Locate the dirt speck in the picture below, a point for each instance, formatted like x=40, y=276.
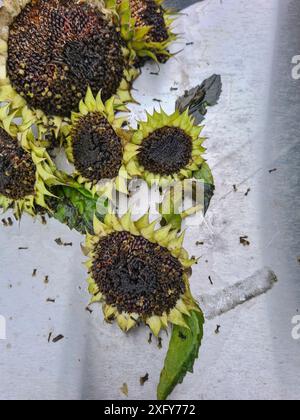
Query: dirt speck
x=244, y=240
x=124, y=389
x=144, y=379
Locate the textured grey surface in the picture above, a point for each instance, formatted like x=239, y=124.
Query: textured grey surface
x=252, y=130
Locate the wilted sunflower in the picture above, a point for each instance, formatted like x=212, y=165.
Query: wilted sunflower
x=25, y=171
x=139, y=273
x=165, y=148
x=145, y=26
x=95, y=144
x=52, y=50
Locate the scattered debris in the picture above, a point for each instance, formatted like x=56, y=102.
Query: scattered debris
x=34, y=273
x=159, y=344
x=244, y=240
x=61, y=243
x=124, y=389
x=46, y=279
x=173, y=89
x=157, y=100
x=144, y=379
x=50, y=300
x=199, y=243
x=210, y=280
x=58, y=338
x=217, y=331
x=189, y=43
x=88, y=309
x=247, y=192
x=272, y=170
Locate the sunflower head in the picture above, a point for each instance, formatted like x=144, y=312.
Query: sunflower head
x=139, y=273
x=25, y=172
x=95, y=142
x=52, y=50
x=165, y=148
x=146, y=27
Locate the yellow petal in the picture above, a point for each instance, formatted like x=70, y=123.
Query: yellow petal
x=148, y=232
x=109, y=311
x=176, y=318
x=128, y=225
x=83, y=110
x=162, y=235
x=112, y=221
x=96, y=298
x=182, y=308
x=122, y=322
x=99, y=227
x=155, y=324
x=90, y=101
x=143, y=222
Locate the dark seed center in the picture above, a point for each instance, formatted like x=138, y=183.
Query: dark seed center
x=97, y=149
x=166, y=151
x=17, y=170
x=136, y=275
x=57, y=48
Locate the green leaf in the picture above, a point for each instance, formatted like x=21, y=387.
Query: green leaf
x=76, y=208
x=183, y=351
x=205, y=174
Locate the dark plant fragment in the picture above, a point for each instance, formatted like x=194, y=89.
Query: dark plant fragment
x=218, y=328
x=199, y=98
x=144, y=379
x=244, y=240
x=58, y=338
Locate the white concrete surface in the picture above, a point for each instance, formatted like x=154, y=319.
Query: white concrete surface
x=250, y=358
